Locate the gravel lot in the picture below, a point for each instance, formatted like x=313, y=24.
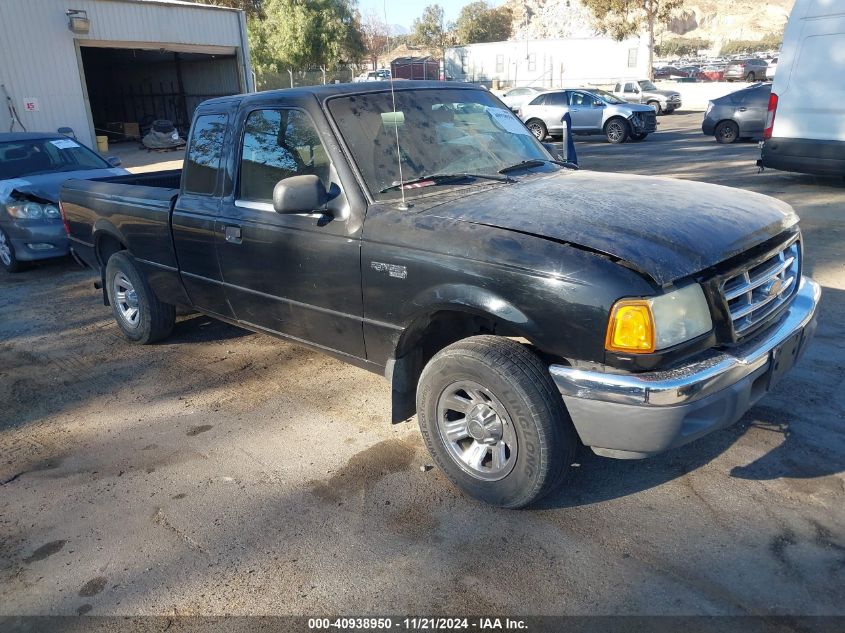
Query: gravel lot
x=225, y=472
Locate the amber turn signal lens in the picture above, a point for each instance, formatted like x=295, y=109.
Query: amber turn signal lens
x=630, y=328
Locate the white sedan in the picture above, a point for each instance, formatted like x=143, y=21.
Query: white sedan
x=516, y=97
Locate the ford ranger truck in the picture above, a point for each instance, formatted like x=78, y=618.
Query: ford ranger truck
x=519, y=306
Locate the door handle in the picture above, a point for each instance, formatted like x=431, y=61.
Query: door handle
x=743, y=109
x=233, y=234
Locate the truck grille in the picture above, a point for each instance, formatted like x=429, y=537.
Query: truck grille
x=756, y=293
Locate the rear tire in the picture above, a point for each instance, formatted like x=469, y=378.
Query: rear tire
x=494, y=422
x=537, y=128
x=726, y=132
x=750, y=77
x=7, y=255
x=138, y=312
x=617, y=130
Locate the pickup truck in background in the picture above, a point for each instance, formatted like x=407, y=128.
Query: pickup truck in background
x=519, y=306
x=644, y=91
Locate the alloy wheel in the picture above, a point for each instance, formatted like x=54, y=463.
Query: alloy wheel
x=126, y=300
x=476, y=430
x=5, y=250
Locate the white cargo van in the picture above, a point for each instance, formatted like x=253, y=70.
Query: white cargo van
x=805, y=128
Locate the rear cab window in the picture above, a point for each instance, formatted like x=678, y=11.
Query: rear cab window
x=202, y=160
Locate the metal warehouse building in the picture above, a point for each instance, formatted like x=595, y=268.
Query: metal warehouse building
x=94, y=65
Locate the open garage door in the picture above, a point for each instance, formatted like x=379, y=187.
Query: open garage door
x=129, y=88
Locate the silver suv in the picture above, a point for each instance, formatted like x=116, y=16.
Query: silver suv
x=592, y=112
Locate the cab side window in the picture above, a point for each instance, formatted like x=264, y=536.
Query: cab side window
x=279, y=144
x=202, y=161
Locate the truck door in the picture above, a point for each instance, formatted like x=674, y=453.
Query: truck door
x=195, y=214
x=297, y=274
x=632, y=92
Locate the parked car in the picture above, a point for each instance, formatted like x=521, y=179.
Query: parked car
x=373, y=75
x=711, y=73
x=805, y=126
x=772, y=68
x=592, y=112
x=515, y=98
x=32, y=168
x=519, y=307
x=644, y=91
x=740, y=114
x=668, y=72
x=746, y=70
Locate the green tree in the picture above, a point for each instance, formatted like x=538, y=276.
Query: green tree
x=301, y=34
x=681, y=47
x=479, y=22
x=625, y=18
x=770, y=42
x=429, y=29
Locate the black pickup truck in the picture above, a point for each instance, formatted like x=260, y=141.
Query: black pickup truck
x=518, y=305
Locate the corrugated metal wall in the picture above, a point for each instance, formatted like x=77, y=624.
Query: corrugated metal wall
x=38, y=55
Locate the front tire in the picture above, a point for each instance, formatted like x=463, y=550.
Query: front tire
x=726, y=132
x=494, y=422
x=7, y=255
x=617, y=130
x=750, y=77
x=658, y=109
x=537, y=128
x=138, y=312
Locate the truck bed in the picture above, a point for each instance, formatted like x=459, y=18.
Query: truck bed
x=133, y=209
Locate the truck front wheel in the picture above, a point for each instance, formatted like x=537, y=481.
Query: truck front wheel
x=139, y=314
x=494, y=422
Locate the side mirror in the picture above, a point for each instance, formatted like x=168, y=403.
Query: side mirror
x=299, y=194
x=598, y=104
x=114, y=161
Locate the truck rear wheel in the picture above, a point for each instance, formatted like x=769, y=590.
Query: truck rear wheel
x=139, y=314
x=494, y=422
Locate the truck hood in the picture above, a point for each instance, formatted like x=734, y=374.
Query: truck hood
x=661, y=93
x=46, y=186
x=666, y=228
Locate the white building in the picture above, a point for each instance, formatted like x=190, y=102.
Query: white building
x=548, y=63
x=86, y=64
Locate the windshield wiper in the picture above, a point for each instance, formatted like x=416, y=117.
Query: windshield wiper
x=536, y=162
x=443, y=179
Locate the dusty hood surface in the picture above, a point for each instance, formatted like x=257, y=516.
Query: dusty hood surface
x=667, y=228
x=46, y=186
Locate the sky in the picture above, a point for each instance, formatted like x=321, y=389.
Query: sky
x=403, y=12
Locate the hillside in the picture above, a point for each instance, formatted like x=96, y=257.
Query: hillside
x=713, y=20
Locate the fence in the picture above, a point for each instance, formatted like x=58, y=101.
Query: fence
x=295, y=78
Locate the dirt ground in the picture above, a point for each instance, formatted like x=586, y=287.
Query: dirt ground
x=225, y=472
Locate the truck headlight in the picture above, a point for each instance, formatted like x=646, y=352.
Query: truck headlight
x=641, y=326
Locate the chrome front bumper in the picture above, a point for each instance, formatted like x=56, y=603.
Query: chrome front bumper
x=637, y=415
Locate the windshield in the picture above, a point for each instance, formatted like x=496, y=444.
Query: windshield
x=46, y=155
x=647, y=85
x=607, y=97
x=440, y=132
